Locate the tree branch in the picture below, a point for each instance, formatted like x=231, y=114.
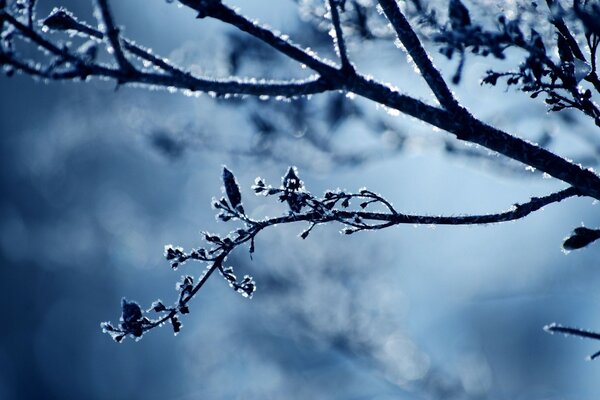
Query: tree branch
x=470, y=129
x=463, y=125
x=217, y=10
x=556, y=328
x=334, y=206
x=339, y=42
x=178, y=79
x=415, y=50
x=112, y=33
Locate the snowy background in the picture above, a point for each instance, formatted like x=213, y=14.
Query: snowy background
x=95, y=182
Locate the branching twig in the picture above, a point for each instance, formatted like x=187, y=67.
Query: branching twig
x=463, y=125
x=177, y=79
x=348, y=209
x=540, y=70
x=112, y=33
x=556, y=328
x=415, y=50
x=340, y=43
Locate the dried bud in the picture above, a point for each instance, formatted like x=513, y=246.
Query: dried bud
x=232, y=190
x=580, y=238
x=291, y=180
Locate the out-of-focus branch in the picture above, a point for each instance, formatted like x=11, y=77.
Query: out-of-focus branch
x=560, y=25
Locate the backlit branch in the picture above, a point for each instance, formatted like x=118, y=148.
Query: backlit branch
x=351, y=210
x=415, y=50
x=340, y=43
x=174, y=78
x=112, y=34
x=463, y=125
x=565, y=330
x=133, y=64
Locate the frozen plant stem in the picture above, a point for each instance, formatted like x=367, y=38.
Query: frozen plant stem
x=415, y=50
x=352, y=210
x=452, y=118
x=555, y=328
x=112, y=34
x=340, y=43
x=62, y=62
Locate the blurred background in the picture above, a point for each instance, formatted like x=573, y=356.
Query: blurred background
x=95, y=181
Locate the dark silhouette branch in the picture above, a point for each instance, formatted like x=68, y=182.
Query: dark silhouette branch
x=463, y=125
x=450, y=116
x=217, y=10
x=560, y=25
x=176, y=78
x=348, y=209
x=112, y=34
x=340, y=43
x=415, y=50
x=556, y=328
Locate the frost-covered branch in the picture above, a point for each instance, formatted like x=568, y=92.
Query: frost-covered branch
x=361, y=211
x=415, y=50
x=541, y=73
x=70, y=65
x=337, y=33
x=559, y=80
x=464, y=126
x=569, y=331
x=112, y=34
x=217, y=10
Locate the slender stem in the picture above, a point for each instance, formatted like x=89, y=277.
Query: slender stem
x=415, y=50
x=463, y=125
x=573, y=331
x=394, y=218
x=560, y=25
x=219, y=11
x=323, y=211
x=30, y=12
x=339, y=40
x=192, y=293
x=112, y=33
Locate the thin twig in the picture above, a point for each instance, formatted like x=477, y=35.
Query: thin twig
x=30, y=12
x=415, y=50
x=181, y=81
x=112, y=33
x=463, y=125
x=219, y=11
x=138, y=51
x=560, y=25
x=332, y=207
x=339, y=41
x=556, y=328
